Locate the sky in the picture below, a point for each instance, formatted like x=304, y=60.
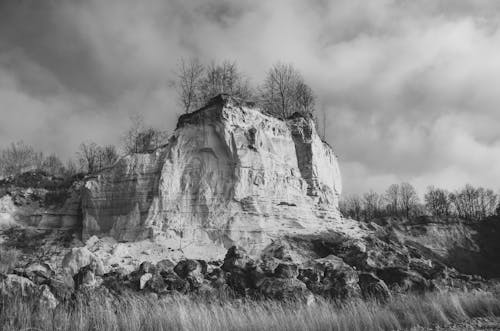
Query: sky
x=410, y=88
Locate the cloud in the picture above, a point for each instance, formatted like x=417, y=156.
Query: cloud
x=409, y=87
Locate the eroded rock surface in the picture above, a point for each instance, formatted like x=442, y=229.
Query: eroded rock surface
x=229, y=175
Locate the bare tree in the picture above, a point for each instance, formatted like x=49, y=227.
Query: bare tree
x=392, y=198
x=372, y=205
x=279, y=88
x=284, y=92
x=93, y=158
x=224, y=78
x=474, y=203
x=437, y=201
x=19, y=157
x=304, y=97
x=408, y=198
x=189, y=79
x=351, y=206
x=88, y=156
x=53, y=165
x=140, y=138
x=70, y=168
x=107, y=156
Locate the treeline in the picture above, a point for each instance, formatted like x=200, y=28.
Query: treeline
x=91, y=157
x=401, y=200
x=282, y=93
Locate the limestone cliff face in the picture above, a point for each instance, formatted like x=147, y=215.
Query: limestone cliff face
x=229, y=174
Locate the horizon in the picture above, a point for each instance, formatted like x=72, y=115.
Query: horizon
x=409, y=89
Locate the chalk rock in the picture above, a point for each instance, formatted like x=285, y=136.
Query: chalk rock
x=80, y=257
x=229, y=174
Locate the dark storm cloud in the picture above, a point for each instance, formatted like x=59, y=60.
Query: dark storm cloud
x=409, y=87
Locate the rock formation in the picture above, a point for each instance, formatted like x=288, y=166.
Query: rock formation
x=228, y=175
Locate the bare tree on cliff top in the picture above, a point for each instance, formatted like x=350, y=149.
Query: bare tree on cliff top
x=93, y=158
x=225, y=78
x=408, y=198
x=392, y=198
x=304, y=97
x=437, y=201
x=140, y=138
x=284, y=91
x=88, y=156
x=189, y=79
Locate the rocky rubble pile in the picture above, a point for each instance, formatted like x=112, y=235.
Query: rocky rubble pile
x=348, y=269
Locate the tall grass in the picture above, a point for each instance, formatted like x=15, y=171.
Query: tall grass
x=9, y=257
x=141, y=312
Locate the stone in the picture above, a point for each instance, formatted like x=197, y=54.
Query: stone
x=47, y=298
x=217, y=278
x=80, y=257
x=15, y=285
x=157, y=284
x=236, y=258
x=39, y=273
x=147, y=267
x=373, y=287
x=286, y=270
x=85, y=278
x=188, y=267
x=367, y=254
x=39, y=268
x=330, y=277
x=62, y=290
x=165, y=266
x=175, y=283
x=282, y=289
x=144, y=280
x=405, y=280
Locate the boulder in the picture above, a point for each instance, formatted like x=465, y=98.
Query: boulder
x=39, y=268
x=286, y=270
x=147, y=267
x=80, y=257
x=16, y=285
x=427, y=268
x=192, y=270
x=144, y=280
x=331, y=277
x=368, y=254
x=282, y=289
x=236, y=258
x=269, y=264
x=62, y=289
x=85, y=278
x=175, y=283
x=217, y=278
x=373, y=287
x=39, y=273
x=157, y=284
x=165, y=266
x=47, y=298
x=405, y=280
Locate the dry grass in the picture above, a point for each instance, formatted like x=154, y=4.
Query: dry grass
x=8, y=259
x=139, y=312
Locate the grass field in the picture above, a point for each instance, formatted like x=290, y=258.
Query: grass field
x=140, y=312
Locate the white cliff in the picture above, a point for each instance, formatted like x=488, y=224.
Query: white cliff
x=229, y=175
